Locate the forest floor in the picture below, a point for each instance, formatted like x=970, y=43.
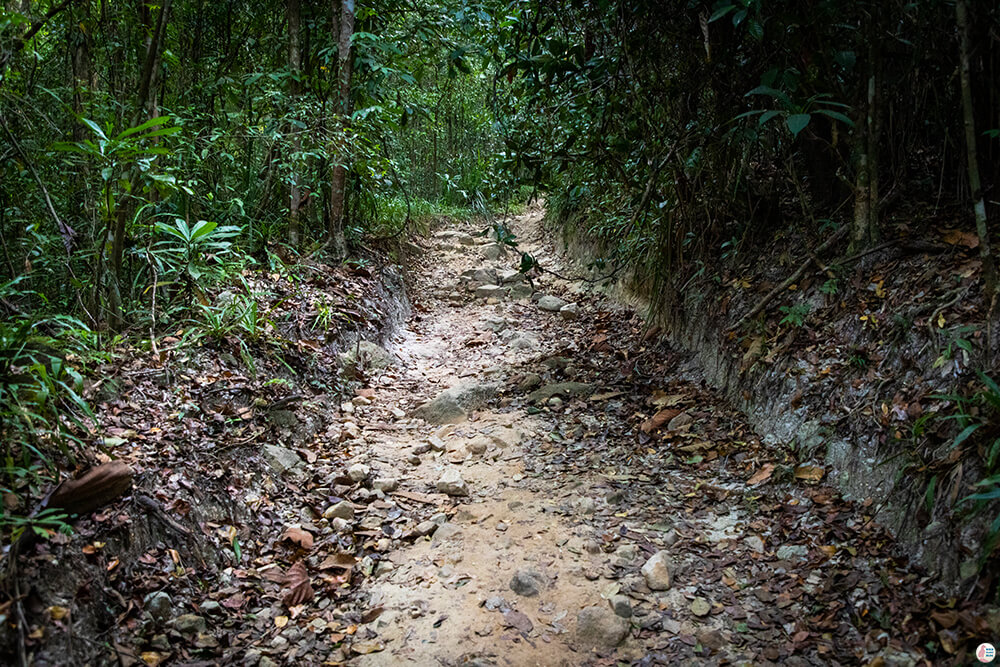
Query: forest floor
x=525, y=475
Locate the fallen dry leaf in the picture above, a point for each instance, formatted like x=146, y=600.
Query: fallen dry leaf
x=958, y=237
x=338, y=562
x=300, y=590
x=809, y=473
x=299, y=536
x=659, y=419
x=761, y=475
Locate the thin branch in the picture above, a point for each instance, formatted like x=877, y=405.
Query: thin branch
x=65, y=231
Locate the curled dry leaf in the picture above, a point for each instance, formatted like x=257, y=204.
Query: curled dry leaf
x=659, y=419
x=299, y=536
x=809, y=473
x=299, y=588
x=338, y=562
x=761, y=475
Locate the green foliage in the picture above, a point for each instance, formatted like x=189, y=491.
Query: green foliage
x=43, y=418
x=795, y=315
x=188, y=254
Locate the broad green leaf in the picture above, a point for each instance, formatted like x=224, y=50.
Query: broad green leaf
x=152, y=122
x=836, y=115
x=797, y=122
x=94, y=127
x=202, y=228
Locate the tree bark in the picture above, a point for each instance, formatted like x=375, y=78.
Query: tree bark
x=864, y=228
x=338, y=184
x=975, y=184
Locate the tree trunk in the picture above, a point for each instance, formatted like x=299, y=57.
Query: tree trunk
x=295, y=67
x=864, y=228
x=975, y=185
x=338, y=184
x=145, y=104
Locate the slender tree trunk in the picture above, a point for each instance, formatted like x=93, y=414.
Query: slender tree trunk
x=978, y=204
x=145, y=105
x=295, y=67
x=338, y=184
x=864, y=228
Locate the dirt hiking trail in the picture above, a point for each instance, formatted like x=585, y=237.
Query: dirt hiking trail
x=572, y=494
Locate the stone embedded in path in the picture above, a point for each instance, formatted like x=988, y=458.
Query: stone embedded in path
x=510, y=276
x=159, y=605
x=385, y=484
x=449, y=407
x=621, y=605
x=365, y=354
x=446, y=532
x=358, y=472
x=455, y=237
x=656, y=571
x=529, y=382
x=599, y=627
x=570, y=311
x=478, y=445
x=481, y=276
x=488, y=291
x=342, y=510
x=451, y=483
x=680, y=421
x=528, y=583
x=521, y=292
x=551, y=303
x=190, y=624
x=281, y=458
x=425, y=528
x=491, y=250
x=700, y=607
x=565, y=389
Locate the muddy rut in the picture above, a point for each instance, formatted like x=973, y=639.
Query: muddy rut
x=578, y=497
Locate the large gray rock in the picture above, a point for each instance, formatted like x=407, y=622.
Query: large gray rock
x=656, y=571
x=451, y=483
x=450, y=406
x=365, y=355
x=528, y=583
x=159, y=605
x=487, y=291
x=452, y=236
x=521, y=292
x=281, y=458
x=190, y=624
x=564, y=389
x=510, y=276
x=491, y=250
x=570, y=311
x=551, y=303
x=481, y=276
x=599, y=627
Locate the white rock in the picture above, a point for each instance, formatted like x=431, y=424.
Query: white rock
x=570, y=311
x=551, y=303
x=385, y=484
x=358, y=472
x=342, y=510
x=451, y=483
x=656, y=571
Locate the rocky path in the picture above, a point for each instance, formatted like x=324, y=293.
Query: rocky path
x=567, y=493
